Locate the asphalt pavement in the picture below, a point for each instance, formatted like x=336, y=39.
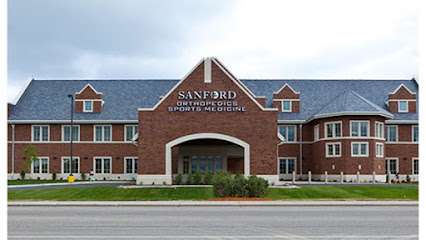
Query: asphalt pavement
x=213, y=222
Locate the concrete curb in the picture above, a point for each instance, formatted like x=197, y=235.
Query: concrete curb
x=210, y=203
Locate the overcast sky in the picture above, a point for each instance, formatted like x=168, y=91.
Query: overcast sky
x=126, y=39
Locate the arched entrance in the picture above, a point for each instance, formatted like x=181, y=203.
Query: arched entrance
x=214, y=154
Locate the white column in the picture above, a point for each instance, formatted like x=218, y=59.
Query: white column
x=357, y=177
x=309, y=177
x=326, y=177
x=294, y=177
x=374, y=177
x=341, y=176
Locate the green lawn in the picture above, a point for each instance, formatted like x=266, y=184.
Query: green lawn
x=303, y=193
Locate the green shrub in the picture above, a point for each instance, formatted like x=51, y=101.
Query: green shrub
x=239, y=188
x=208, y=178
x=179, y=179
x=223, y=184
x=256, y=186
x=197, y=178
x=53, y=176
x=189, y=179
x=22, y=174
x=407, y=178
x=164, y=182
x=83, y=176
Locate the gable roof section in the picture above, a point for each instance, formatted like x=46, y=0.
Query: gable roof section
x=222, y=68
x=350, y=103
x=88, y=86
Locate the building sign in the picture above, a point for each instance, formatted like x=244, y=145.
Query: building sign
x=207, y=101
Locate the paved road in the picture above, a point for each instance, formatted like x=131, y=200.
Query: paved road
x=65, y=185
x=213, y=222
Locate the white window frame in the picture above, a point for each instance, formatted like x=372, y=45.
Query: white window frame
x=412, y=133
x=63, y=133
x=334, y=149
x=125, y=131
x=285, y=137
x=379, y=153
x=316, y=132
x=399, y=106
x=62, y=164
x=84, y=105
x=133, y=165
x=41, y=133
x=381, y=134
x=103, y=135
x=282, y=106
x=412, y=166
x=359, y=150
x=102, y=164
x=396, y=164
x=286, y=164
x=39, y=159
x=387, y=132
x=359, y=128
x=333, y=129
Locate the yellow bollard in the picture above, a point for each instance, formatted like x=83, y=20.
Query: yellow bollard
x=71, y=178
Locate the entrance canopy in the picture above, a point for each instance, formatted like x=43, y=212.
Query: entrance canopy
x=199, y=136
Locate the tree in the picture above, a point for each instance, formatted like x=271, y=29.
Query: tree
x=30, y=156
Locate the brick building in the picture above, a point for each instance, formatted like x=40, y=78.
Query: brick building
x=210, y=120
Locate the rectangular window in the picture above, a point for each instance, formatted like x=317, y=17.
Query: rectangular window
x=40, y=165
x=333, y=129
x=40, y=133
x=185, y=167
x=66, y=133
x=415, y=166
x=360, y=129
x=333, y=150
x=74, y=165
x=102, y=133
x=379, y=130
x=131, y=165
x=316, y=133
x=218, y=164
x=194, y=164
x=402, y=106
x=130, y=132
x=392, y=164
x=379, y=149
x=88, y=106
x=391, y=133
x=359, y=149
x=415, y=133
x=102, y=165
x=288, y=133
x=287, y=165
x=286, y=106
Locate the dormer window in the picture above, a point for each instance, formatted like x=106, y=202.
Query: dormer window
x=402, y=106
x=286, y=106
x=88, y=106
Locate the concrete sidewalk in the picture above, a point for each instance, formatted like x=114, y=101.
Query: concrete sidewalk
x=212, y=203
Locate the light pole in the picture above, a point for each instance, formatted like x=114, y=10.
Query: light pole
x=72, y=115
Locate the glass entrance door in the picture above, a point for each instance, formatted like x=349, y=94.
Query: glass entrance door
x=202, y=163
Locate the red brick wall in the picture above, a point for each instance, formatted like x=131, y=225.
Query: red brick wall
x=256, y=127
x=82, y=150
x=402, y=94
x=236, y=165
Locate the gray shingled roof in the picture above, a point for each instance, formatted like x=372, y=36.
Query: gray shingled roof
x=353, y=103
x=47, y=99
